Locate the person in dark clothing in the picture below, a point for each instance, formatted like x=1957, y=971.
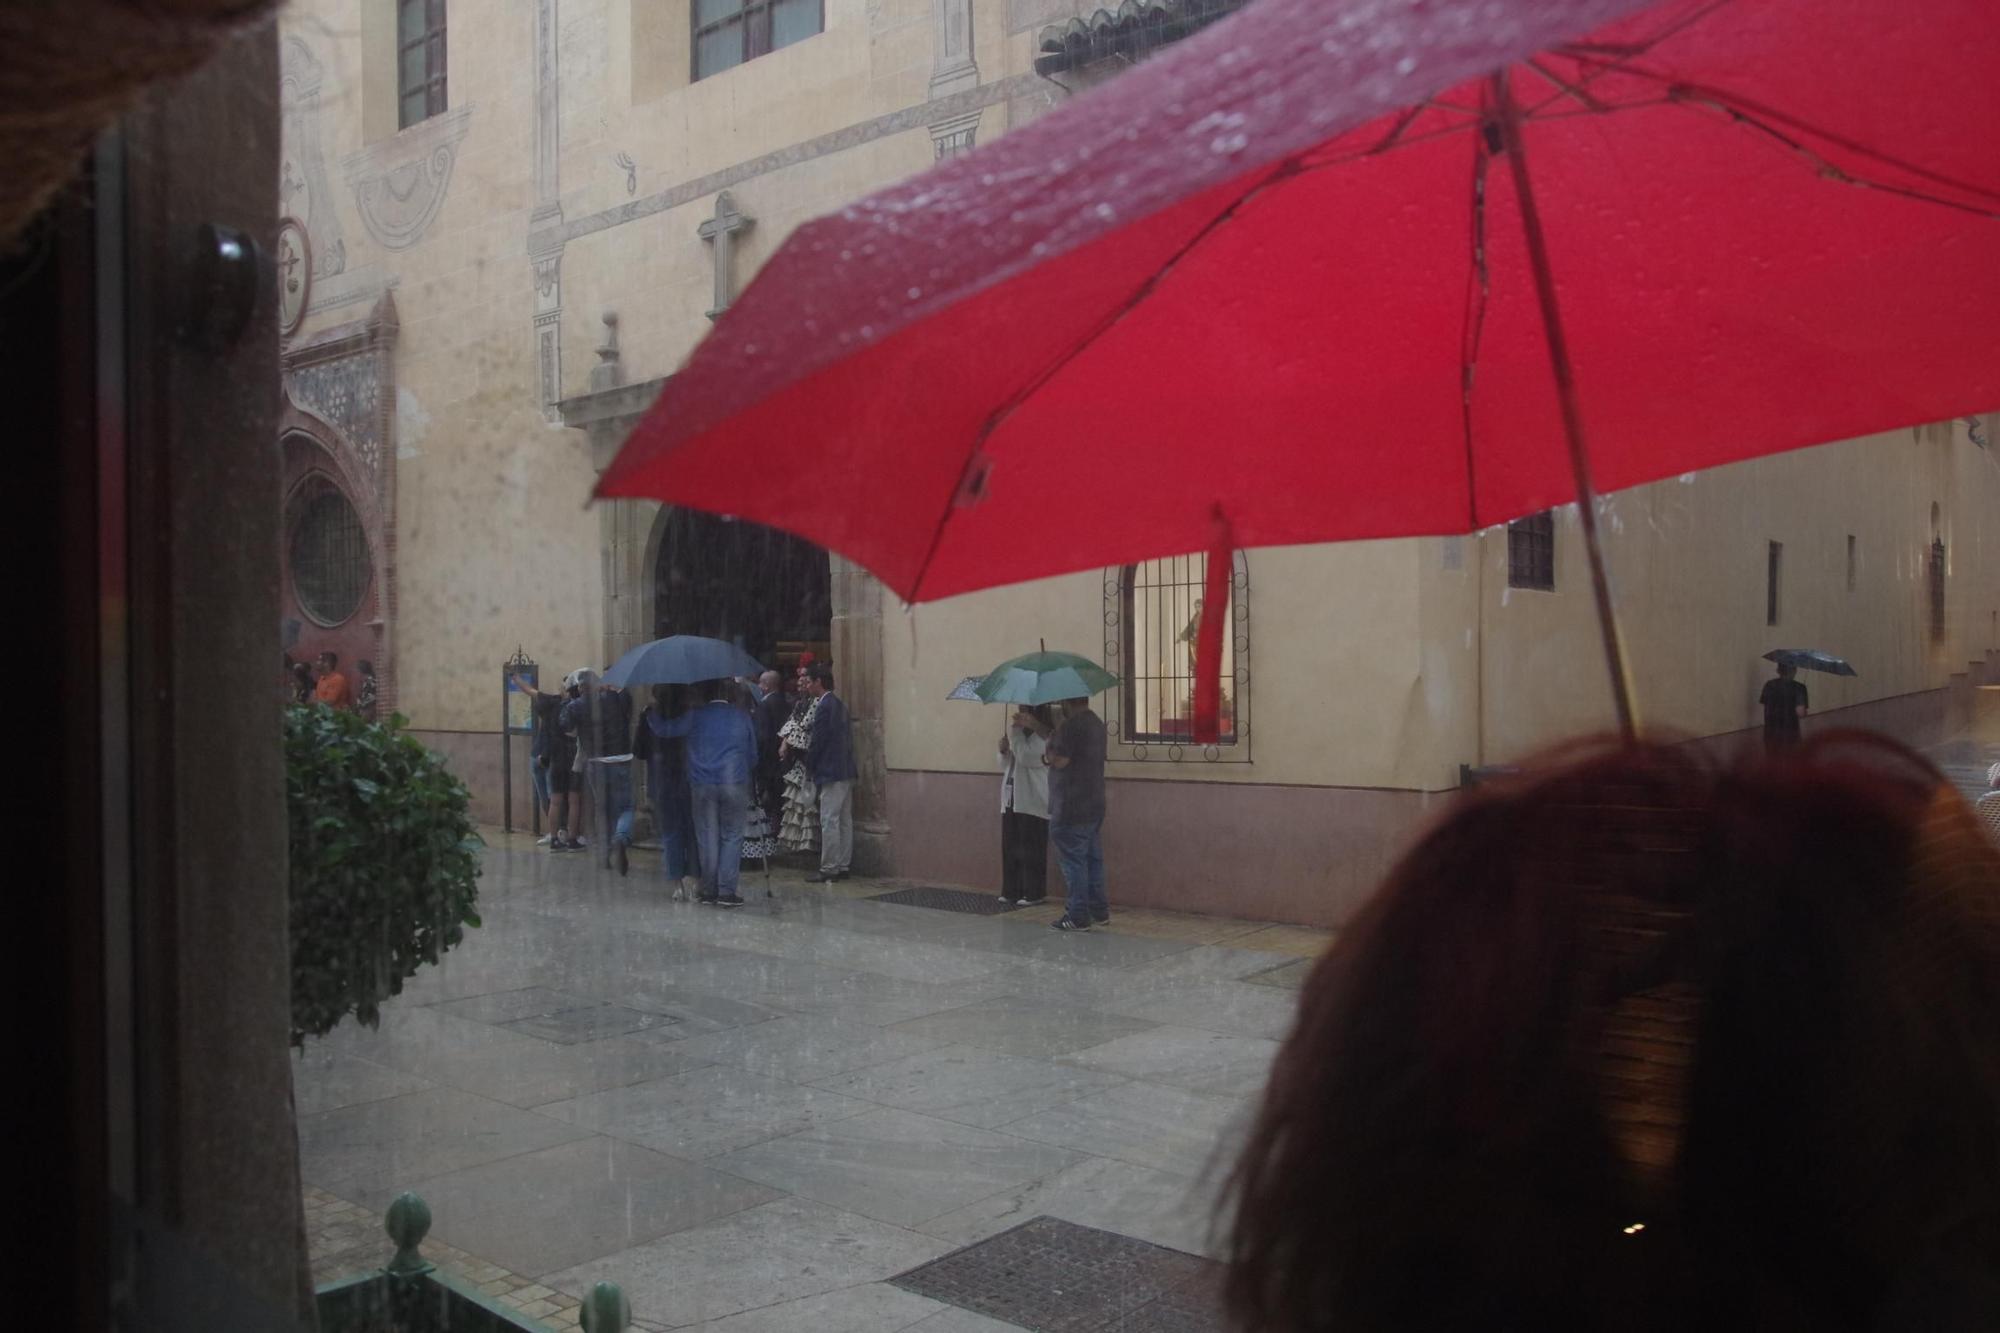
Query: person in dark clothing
x=1784, y=701
x=830, y=764
x=667, y=787
x=773, y=711
x=601, y=717
x=551, y=762
x=721, y=755
x=302, y=683
x=1075, y=756
x=366, y=698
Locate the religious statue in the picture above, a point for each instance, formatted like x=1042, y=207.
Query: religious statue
x=1191, y=636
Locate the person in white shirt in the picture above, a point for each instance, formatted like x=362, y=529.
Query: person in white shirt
x=1024, y=807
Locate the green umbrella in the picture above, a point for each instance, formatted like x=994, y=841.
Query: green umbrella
x=1044, y=677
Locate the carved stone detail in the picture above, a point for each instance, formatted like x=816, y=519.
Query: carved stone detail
x=302, y=188
x=399, y=184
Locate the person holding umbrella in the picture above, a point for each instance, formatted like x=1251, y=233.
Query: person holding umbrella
x=721, y=754
x=1784, y=701
x=1024, y=807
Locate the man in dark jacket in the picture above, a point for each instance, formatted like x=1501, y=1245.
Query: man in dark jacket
x=830, y=763
x=773, y=711
x=601, y=717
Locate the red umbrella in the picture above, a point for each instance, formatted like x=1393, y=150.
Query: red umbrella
x=1289, y=283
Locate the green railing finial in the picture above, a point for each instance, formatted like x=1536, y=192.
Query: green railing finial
x=605, y=1310
x=408, y=1222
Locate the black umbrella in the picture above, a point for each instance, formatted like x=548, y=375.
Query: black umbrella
x=1812, y=659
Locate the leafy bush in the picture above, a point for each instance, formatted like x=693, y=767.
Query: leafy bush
x=384, y=863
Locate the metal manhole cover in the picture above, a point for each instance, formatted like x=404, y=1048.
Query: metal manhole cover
x=1052, y=1276
x=948, y=900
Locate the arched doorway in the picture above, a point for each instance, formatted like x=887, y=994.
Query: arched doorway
x=765, y=590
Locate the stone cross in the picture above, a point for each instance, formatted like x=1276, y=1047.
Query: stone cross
x=718, y=231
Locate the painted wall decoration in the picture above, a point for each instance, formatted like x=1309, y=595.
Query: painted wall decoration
x=400, y=183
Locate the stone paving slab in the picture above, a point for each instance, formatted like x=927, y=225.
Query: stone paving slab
x=896, y=1166
x=544, y=1211
x=380, y=1146
x=1019, y=1025
x=969, y=1084
x=764, y=1256
x=706, y=1112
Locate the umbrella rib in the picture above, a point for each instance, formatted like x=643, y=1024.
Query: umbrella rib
x=969, y=484
x=1768, y=120
x=1478, y=289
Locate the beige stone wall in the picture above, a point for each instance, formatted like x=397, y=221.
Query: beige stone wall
x=1378, y=665
x=1688, y=564
x=495, y=545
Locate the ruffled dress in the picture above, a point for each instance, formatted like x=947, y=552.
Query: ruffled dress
x=799, y=829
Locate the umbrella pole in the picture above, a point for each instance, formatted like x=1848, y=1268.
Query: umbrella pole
x=1511, y=142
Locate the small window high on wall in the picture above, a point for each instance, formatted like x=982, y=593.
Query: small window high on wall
x=729, y=32
x=1531, y=552
x=420, y=85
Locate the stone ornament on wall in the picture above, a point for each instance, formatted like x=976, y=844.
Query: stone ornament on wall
x=295, y=272
x=400, y=183
x=302, y=187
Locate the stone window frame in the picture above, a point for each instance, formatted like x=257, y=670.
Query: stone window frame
x=754, y=19
x=1123, y=743
x=1531, y=552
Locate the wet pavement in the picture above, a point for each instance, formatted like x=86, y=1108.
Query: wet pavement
x=753, y=1119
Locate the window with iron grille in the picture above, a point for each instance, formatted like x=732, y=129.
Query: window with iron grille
x=729, y=32
x=420, y=90
x=1531, y=552
x=1153, y=616
x=329, y=553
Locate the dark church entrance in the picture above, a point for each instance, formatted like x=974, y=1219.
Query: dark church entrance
x=767, y=591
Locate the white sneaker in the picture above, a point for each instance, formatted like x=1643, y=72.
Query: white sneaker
x=680, y=893
x=543, y=841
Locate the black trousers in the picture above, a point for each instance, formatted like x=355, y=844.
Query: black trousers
x=1024, y=856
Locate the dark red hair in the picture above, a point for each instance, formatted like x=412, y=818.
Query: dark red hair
x=1587, y=1055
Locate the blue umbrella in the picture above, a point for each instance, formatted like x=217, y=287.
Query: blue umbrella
x=682, y=659
x=1812, y=659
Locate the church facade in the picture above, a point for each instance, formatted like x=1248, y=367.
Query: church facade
x=508, y=220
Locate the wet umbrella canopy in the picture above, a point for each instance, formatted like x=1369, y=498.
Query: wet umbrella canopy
x=682, y=659
x=1044, y=678
x=1284, y=284
x=1812, y=659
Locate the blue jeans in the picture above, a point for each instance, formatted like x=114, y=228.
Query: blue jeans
x=677, y=851
x=611, y=799
x=719, y=812
x=1080, y=853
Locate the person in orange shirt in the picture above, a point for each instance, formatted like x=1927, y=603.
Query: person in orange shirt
x=333, y=688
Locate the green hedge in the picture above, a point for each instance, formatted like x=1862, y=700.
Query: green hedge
x=385, y=863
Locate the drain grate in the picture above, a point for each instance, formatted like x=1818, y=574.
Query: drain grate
x=948, y=900
x=1052, y=1276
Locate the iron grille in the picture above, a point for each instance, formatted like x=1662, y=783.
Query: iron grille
x=1151, y=621
x=1531, y=552
x=329, y=553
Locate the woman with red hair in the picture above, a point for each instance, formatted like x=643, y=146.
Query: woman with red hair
x=1631, y=1043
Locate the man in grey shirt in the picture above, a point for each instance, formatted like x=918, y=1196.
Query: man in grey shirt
x=1075, y=756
